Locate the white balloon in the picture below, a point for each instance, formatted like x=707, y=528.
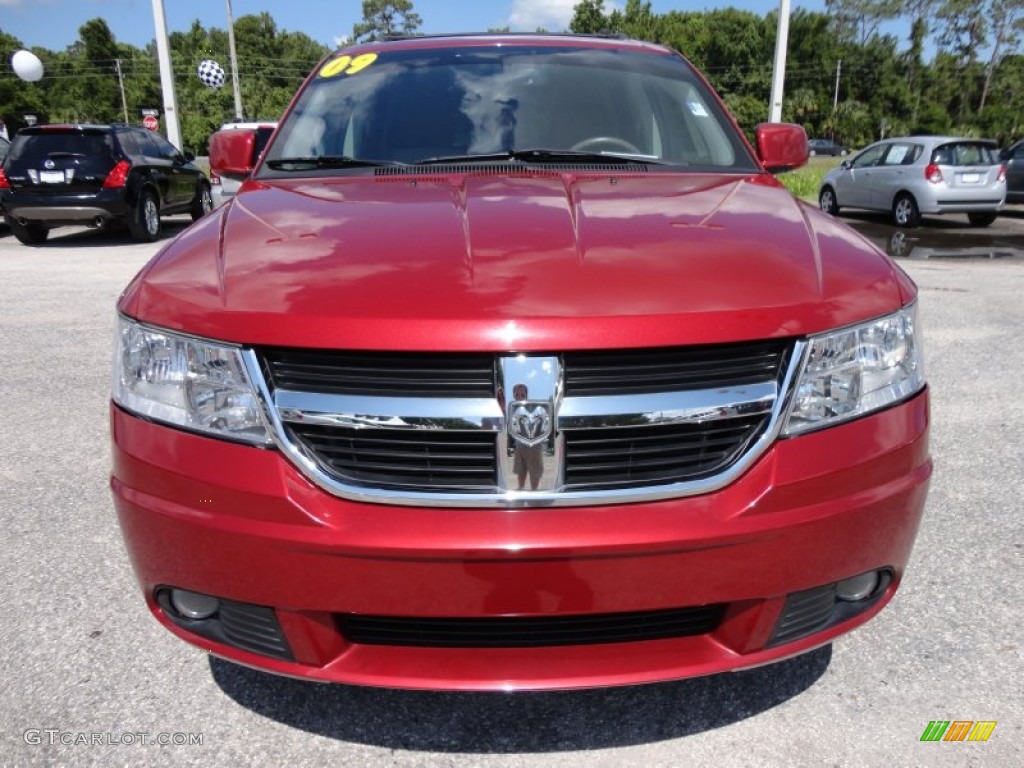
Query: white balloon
x=27, y=66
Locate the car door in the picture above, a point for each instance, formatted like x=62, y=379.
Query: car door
x=893, y=172
x=853, y=185
x=157, y=170
x=182, y=175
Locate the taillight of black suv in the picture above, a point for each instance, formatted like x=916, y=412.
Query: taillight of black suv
x=104, y=176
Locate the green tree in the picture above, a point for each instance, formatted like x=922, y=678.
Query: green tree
x=382, y=18
x=588, y=17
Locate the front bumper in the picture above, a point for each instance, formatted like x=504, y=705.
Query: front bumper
x=243, y=524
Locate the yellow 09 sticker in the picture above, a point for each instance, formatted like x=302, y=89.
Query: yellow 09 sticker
x=346, y=65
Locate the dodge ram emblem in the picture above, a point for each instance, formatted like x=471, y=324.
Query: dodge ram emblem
x=530, y=422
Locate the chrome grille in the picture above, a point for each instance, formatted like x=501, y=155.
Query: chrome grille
x=626, y=425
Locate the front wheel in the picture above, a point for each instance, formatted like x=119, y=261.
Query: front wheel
x=145, y=224
x=827, y=201
x=203, y=202
x=981, y=219
x=32, y=233
x=905, y=213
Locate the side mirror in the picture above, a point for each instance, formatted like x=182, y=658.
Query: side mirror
x=233, y=153
x=781, y=146
x=189, y=157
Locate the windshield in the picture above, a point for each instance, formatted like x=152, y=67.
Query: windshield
x=411, y=106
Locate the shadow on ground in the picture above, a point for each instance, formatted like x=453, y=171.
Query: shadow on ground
x=520, y=722
x=83, y=237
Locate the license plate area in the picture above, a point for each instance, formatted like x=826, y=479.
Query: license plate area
x=51, y=177
x=970, y=178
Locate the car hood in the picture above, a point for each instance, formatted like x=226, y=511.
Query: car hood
x=528, y=261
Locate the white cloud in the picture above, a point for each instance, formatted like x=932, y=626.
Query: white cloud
x=552, y=15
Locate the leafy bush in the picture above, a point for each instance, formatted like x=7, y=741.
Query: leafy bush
x=803, y=182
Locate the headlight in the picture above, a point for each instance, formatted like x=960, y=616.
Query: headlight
x=187, y=382
x=856, y=370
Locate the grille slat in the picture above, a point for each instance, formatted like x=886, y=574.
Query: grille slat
x=677, y=369
x=524, y=632
x=382, y=374
x=686, y=454
x=404, y=458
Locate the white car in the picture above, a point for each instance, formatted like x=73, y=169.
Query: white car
x=224, y=188
x=908, y=177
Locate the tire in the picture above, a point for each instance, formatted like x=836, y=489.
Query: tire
x=145, y=223
x=203, y=202
x=904, y=211
x=827, y=201
x=981, y=219
x=32, y=233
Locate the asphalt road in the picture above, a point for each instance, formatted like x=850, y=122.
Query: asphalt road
x=89, y=678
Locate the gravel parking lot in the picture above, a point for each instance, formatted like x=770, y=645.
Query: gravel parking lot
x=89, y=678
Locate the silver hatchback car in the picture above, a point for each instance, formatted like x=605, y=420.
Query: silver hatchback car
x=919, y=175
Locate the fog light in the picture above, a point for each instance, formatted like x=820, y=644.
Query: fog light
x=858, y=588
x=192, y=605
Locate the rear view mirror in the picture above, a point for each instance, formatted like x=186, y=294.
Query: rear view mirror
x=781, y=146
x=233, y=153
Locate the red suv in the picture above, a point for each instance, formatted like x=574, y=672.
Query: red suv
x=512, y=366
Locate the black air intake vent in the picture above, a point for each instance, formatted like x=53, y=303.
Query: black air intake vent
x=527, y=632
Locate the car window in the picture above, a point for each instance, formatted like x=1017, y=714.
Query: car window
x=31, y=149
x=870, y=156
x=964, y=153
x=128, y=142
x=1018, y=152
x=414, y=105
x=902, y=154
x=164, y=148
x=4, y=146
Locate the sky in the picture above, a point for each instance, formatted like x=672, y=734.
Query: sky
x=54, y=24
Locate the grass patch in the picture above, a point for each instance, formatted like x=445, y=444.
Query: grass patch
x=803, y=182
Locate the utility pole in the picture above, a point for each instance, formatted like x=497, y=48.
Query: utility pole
x=163, y=53
x=120, y=81
x=779, y=73
x=234, y=64
x=835, y=99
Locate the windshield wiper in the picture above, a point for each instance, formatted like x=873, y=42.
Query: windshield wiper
x=545, y=156
x=325, y=161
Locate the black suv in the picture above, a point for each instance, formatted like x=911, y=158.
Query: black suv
x=98, y=175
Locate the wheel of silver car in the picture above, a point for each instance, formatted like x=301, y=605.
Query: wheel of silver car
x=905, y=212
x=610, y=143
x=145, y=225
x=981, y=219
x=827, y=201
x=203, y=202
